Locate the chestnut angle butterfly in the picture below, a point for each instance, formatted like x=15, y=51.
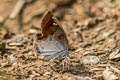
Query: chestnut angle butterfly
x=52, y=43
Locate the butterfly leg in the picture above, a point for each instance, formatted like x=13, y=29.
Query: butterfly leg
x=66, y=60
x=54, y=58
x=52, y=61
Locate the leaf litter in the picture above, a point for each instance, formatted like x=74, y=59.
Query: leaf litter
x=92, y=28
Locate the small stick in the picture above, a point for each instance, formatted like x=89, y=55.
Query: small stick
x=115, y=69
x=109, y=75
x=17, y=9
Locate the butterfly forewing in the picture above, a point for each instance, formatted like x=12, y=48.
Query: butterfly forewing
x=46, y=23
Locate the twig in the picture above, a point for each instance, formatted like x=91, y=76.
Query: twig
x=17, y=9
x=109, y=75
x=115, y=69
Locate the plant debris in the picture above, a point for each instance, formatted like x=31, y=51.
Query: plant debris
x=91, y=26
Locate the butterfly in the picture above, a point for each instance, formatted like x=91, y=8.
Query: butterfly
x=52, y=42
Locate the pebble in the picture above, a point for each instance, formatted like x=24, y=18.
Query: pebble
x=90, y=60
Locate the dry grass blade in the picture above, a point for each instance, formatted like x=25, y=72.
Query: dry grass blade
x=17, y=8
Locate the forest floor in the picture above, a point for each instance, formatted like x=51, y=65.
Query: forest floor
x=92, y=28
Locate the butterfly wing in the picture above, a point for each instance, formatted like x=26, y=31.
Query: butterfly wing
x=53, y=39
x=51, y=26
